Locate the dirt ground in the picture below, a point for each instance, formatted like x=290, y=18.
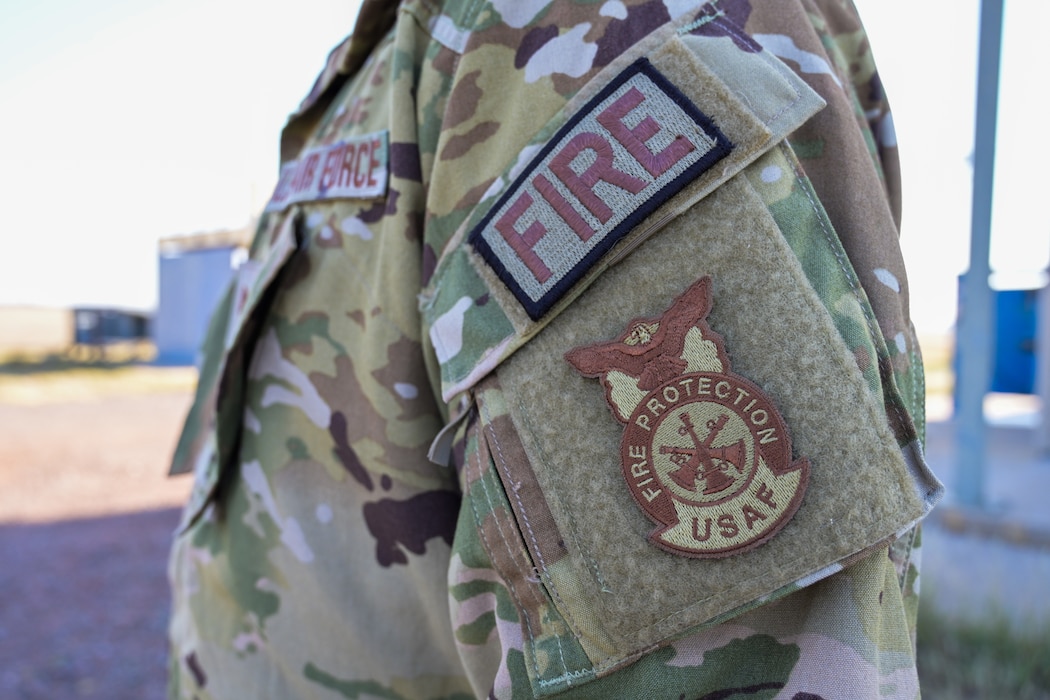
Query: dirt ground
x=86, y=516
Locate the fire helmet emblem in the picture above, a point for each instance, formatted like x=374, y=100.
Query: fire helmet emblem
x=705, y=452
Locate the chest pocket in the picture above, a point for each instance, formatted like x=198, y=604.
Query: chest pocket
x=209, y=437
x=775, y=323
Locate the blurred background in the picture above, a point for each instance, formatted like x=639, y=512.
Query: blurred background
x=138, y=141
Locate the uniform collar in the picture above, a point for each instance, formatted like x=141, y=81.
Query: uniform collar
x=374, y=19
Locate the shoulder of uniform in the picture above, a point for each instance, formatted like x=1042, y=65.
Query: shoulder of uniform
x=374, y=20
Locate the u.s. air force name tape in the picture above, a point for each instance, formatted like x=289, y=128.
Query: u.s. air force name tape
x=353, y=168
x=627, y=151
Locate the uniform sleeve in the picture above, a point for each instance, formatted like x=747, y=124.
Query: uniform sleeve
x=572, y=360
x=665, y=243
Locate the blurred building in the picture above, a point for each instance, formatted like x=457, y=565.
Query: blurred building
x=100, y=326
x=194, y=272
x=34, y=330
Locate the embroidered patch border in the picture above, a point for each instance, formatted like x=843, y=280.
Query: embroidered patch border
x=593, y=182
x=705, y=453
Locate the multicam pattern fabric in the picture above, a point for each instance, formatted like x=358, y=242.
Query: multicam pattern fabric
x=324, y=555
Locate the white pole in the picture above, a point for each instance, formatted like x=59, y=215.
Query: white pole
x=1042, y=365
x=976, y=328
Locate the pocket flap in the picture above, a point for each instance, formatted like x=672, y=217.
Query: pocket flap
x=653, y=134
x=745, y=438
x=199, y=447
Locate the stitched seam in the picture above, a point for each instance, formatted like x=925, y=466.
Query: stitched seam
x=434, y=285
x=506, y=544
x=706, y=19
x=572, y=521
x=610, y=661
x=566, y=678
x=517, y=497
x=734, y=30
x=919, y=380
x=473, y=12
x=845, y=267
x=737, y=32
x=907, y=557
x=528, y=526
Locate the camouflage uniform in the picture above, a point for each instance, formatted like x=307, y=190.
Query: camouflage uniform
x=403, y=487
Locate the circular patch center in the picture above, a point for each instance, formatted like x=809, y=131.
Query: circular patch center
x=703, y=452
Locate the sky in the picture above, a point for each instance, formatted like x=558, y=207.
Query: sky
x=123, y=121
x=927, y=59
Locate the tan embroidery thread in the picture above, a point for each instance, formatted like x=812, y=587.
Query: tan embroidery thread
x=705, y=453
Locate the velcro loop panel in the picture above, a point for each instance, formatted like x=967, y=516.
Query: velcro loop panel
x=613, y=582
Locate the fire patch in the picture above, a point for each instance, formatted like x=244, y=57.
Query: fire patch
x=706, y=454
x=634, y=145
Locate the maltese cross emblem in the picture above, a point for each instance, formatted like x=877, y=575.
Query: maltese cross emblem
x=705, y=452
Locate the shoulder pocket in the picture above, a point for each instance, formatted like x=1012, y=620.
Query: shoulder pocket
x=656, y=132
x=210, y=433
x=772, y=372
x=565, y=459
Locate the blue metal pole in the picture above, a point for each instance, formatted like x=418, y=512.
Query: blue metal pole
x=976, y=328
